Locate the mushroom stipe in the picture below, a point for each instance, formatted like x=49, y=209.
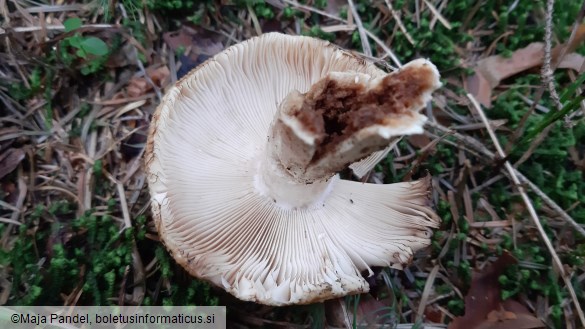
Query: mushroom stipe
x=268, y=219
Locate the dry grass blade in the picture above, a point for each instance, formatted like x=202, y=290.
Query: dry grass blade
x=377, y=40
x=429, y=284
x=358, y=21
x=399, y=22
x=56, y=8
x=549, y=202
x=60, y=27
x=558, y=265
x=475, y=147
x=438, y=15
x=255, y=21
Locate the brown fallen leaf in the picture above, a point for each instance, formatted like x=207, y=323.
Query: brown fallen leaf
x=500, y=315
x=371, y=312
x=511, y=315
x=9, y=160
x=434, y=314
x=198, y=41
x=490, y=71
x=140, y=86
x=484, y=308
x=198, y=45
x=420, y=141
x=483, y=295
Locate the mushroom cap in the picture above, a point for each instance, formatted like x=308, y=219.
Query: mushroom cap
x=206, y=142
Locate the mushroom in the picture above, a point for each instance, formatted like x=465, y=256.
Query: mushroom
x=242, y=161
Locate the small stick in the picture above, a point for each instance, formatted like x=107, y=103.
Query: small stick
x=514, y=177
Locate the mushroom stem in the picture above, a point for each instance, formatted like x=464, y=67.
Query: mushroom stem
x=345, y=117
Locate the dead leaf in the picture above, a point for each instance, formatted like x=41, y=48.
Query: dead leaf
x=159, y=76
x=490, y=71
x=573, y=61
x=336, y=313
x=433, y=314
x=511, y=315
x=140, y=86
x=197, y=41
x=501, y=315
x=575, y=43
x=9, y=160
x=371, y=312
x=198, y=44
x=498, y=68
x=420, y=141
x=484, y=308
x=484, y=294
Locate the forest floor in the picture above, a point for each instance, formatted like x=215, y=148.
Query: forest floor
x=505, y=145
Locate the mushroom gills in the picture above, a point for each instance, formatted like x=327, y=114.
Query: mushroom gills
x=241, y=160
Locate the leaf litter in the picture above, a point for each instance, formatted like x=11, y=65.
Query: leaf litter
x=43, y=159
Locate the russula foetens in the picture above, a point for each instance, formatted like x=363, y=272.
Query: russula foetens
x=242, y=158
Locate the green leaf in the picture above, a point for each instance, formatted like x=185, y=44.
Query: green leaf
x=72, y=24
x=94, y=46
x=75, y=40
x=80, y=53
